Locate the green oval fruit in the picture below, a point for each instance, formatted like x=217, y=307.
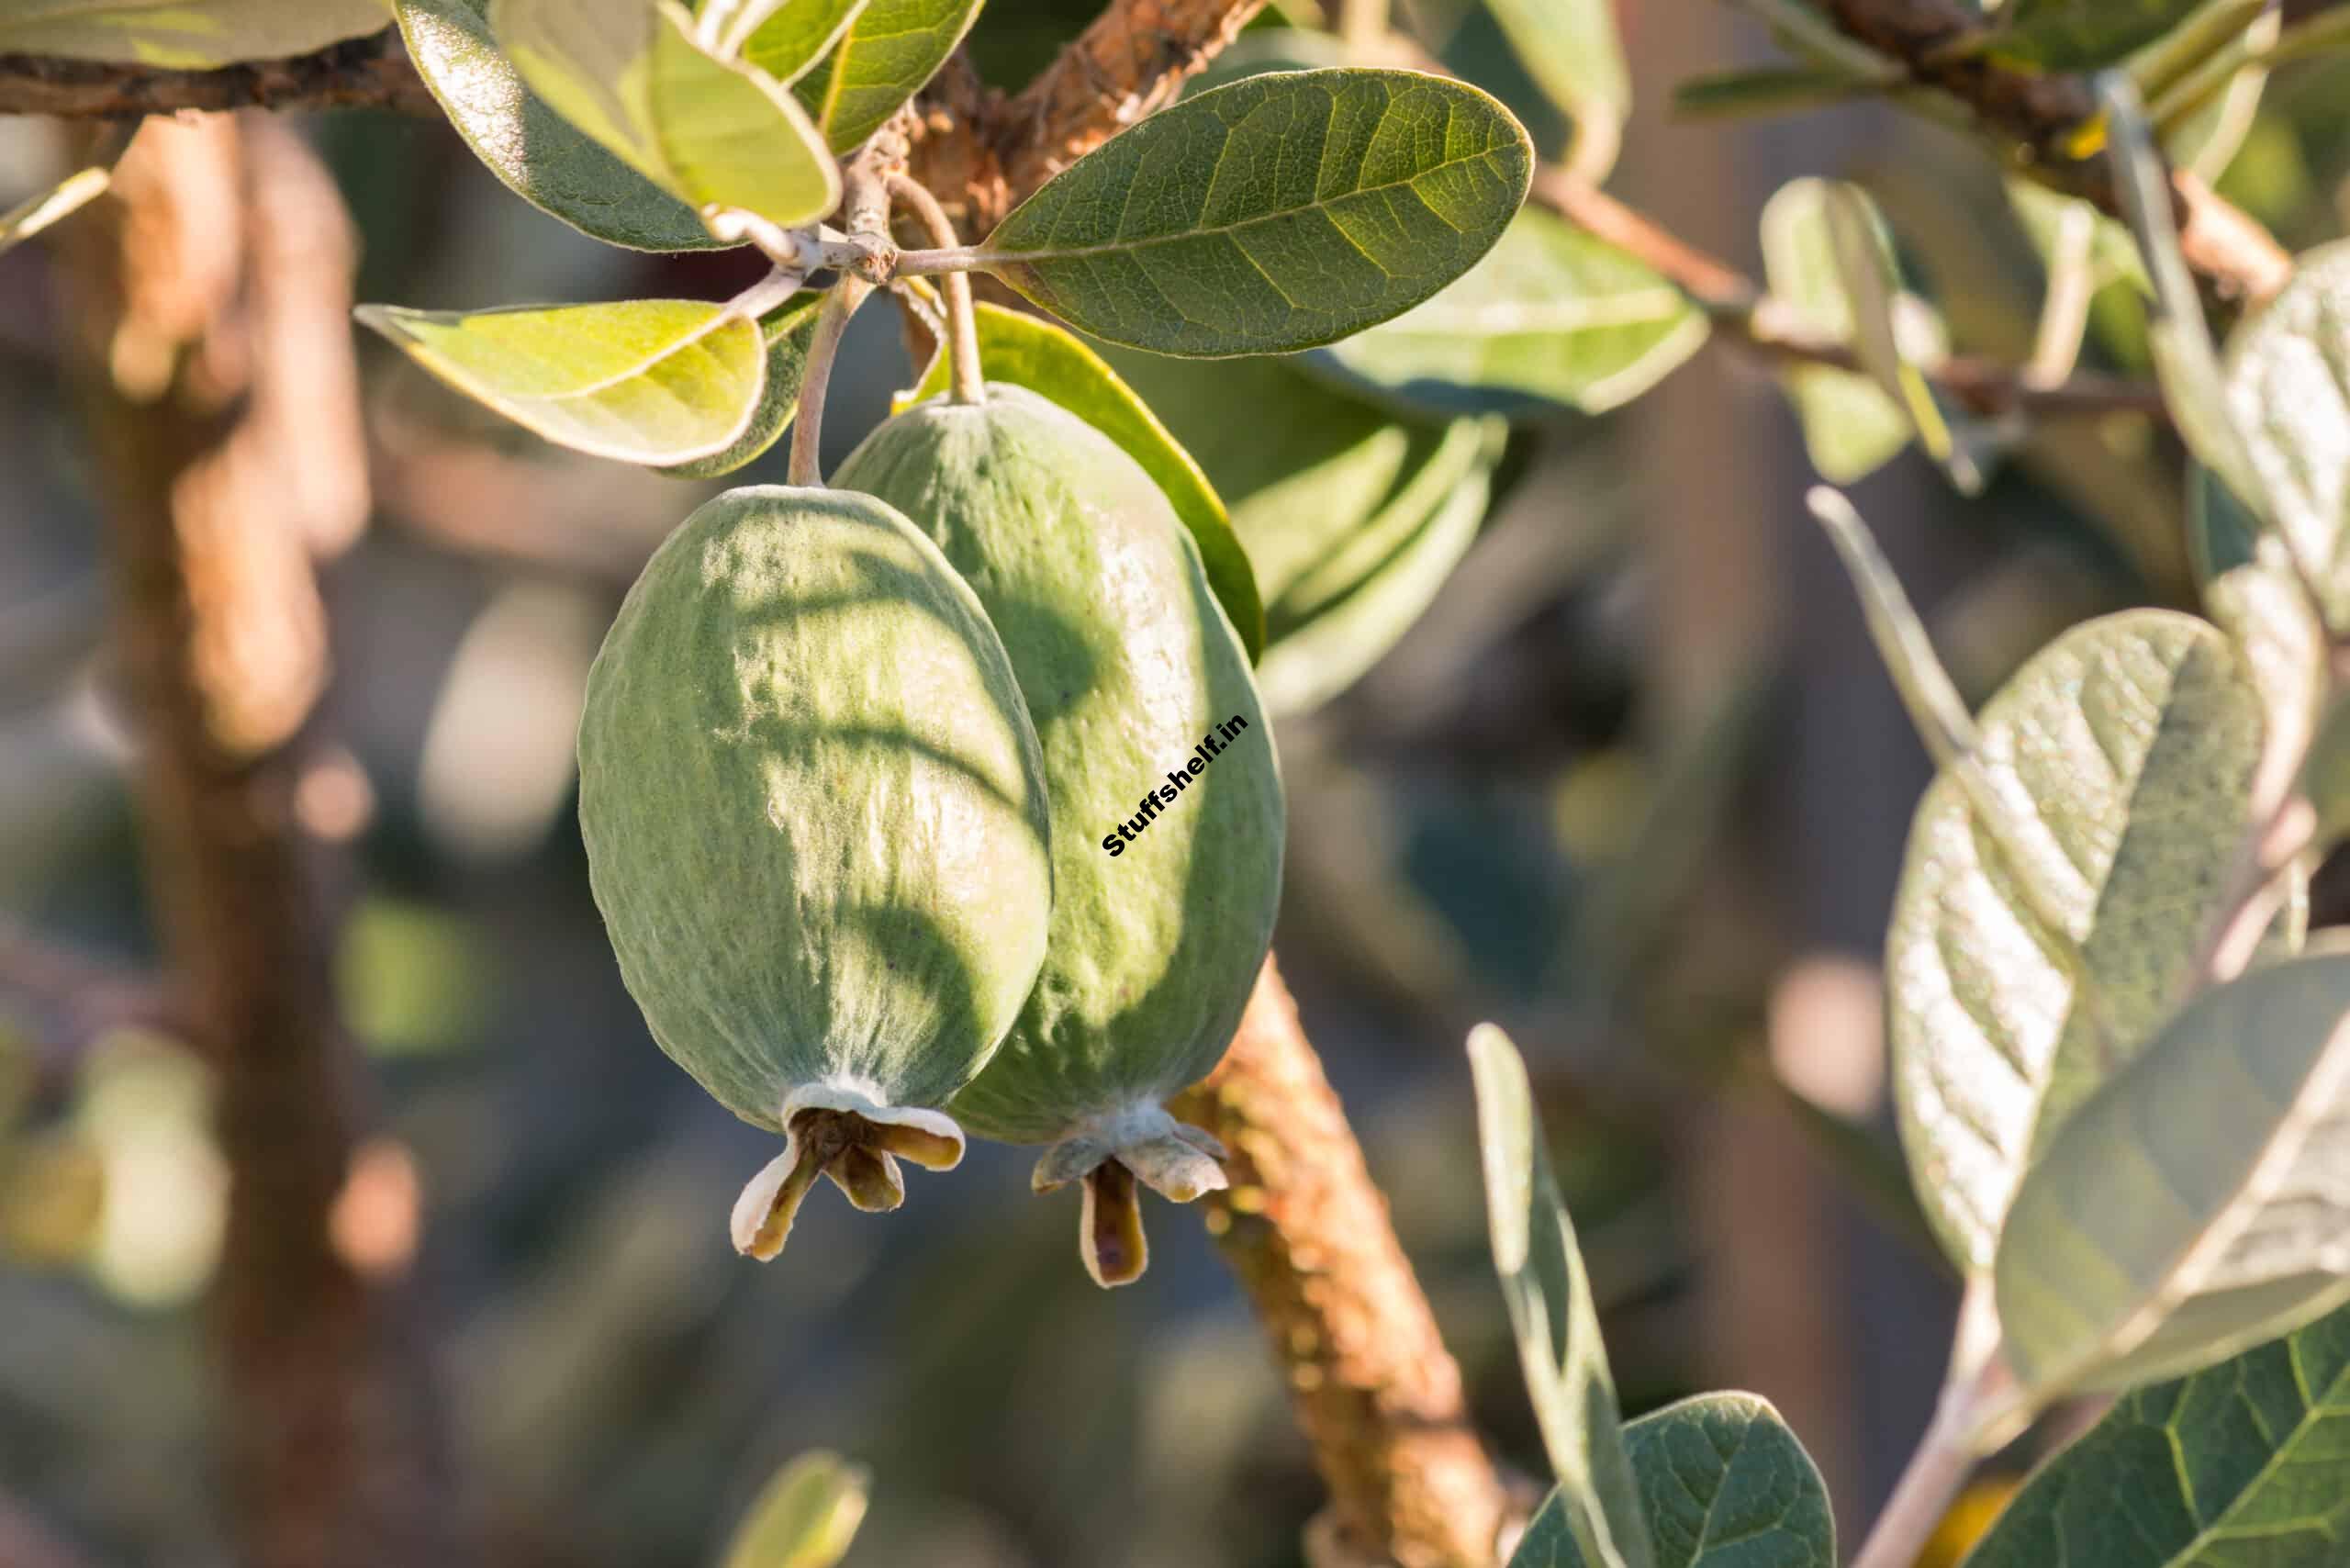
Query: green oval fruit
x=817, y=827
x=1165, y=795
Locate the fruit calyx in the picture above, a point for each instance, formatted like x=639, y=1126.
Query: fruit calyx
x=841, y=1131
x=1110, y=1154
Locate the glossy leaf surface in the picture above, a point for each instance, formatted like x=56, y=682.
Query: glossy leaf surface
x=2239, y=1465
x=1280, y=212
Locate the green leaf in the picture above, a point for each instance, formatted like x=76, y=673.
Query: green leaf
x=184, y=35
x=2026, y=956
x=891, y=51
x=790, y=330
x=1352, y=521
x=1849, y=427
x=1863, y=249
x=2287, y=373
x=1570, y=49
x=537, y=152
x=2239, y=1466
x=788, y=42
x=1347, y=614
x=652, y=381
x=1048, y=359
x=2082, y=34
x=804, y=1518
x=1551, y=1310
x=633, y=78
x=1725, y=1484
x=2196, y=1205
x=1553, y=316
x=68, y=197
x=1280, y=212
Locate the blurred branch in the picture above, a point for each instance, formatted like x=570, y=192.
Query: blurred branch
x=1939, y=44
x=223, y=454
x=1763, y=326
x=1307, y=1232
x=357, y=73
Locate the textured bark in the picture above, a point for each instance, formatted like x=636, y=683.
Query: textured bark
x=2039, y=114
x=1307, y=1232
x=359, y=74
x=225, y=461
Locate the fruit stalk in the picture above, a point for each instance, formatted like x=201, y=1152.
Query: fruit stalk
x=808, y=425
x=962, y=329
x=1308, y=1233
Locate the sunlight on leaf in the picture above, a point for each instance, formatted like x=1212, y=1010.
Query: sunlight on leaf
x=2195, y=1204
x=1552, y=317
x=805, y=1517
x=178, y=35
x=1725, y=1483
x=790, y=330
x=1284, y=211
x=1551, y=1310
x=888, y=52
x=538, y=153
x=652, y=381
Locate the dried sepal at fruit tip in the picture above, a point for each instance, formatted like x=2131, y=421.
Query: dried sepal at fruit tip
x=855, y=1142
x=1110, y=1155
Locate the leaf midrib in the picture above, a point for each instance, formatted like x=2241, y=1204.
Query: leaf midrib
x=1072, y=252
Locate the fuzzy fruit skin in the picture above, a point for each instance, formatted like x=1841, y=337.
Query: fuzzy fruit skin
x=1128, y=661
x=814, y=808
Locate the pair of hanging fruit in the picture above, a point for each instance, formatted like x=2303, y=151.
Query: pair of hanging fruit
x=848, y=766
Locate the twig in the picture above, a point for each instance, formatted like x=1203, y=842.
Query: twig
x=1761, y=325
x=199, y=411
x=1132, y=59
x=357, y=73
x=2045, y=116
x=1980, y=1408
x=1308, y=1234
x=962, y=328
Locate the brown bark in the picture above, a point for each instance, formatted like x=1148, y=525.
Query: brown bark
x=359, y=74
x=218, y=437
x=1307, y=1232
x=1937, y=42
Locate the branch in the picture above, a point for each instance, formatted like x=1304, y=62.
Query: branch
x=1308, y=1234
x=1132, y=58
x=208, y=299
x=1761, y=325
x=1938, y=43
x=356, y=73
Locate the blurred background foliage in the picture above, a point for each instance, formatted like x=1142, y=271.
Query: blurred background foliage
x=1632, y=783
